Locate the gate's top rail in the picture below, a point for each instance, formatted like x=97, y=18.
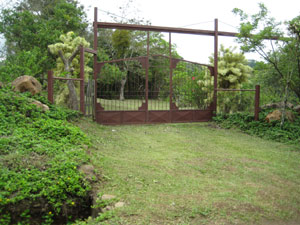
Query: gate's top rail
x=163, y=29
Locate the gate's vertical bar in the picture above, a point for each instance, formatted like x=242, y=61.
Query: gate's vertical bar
x=171, y=75
x=257, y=96
x=147, y=77
x=50, y=86
x=215, y=67
x=95, y=59
x=82, y=108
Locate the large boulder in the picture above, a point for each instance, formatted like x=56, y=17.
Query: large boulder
x=27, y=83
x=276, y=115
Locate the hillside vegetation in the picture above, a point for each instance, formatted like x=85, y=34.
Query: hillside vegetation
x=40, y=153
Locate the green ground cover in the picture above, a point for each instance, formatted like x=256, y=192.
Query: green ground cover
x=40, y=153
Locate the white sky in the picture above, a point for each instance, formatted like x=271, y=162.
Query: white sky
x=181, y=13
x=186, y=12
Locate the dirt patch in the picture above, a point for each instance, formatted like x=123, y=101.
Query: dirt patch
x=40, y=207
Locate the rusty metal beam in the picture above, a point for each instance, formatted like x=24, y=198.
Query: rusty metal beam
x=64, y=78
x=82, y=108
x=95, y=47
x=168, y=29
x=223, y=89
x=90, y=51
x=50, y=86
x=216, y=35
x=163, y=29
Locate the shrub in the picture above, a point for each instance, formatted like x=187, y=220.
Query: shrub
x=288, y=133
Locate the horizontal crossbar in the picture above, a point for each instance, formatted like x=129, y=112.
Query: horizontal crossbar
x=221, y=89
x=90, y=51
x=163, y=29
x=64, y=78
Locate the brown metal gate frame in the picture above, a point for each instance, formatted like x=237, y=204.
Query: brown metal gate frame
x=143, y=115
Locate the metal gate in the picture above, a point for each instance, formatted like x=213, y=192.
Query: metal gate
x=152, y=89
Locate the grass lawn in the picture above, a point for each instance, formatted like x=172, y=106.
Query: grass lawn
x=196, y=174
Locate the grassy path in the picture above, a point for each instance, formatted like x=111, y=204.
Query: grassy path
x=196, y=174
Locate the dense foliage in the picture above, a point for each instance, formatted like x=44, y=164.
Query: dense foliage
x=279, y=47
x=233, y=73
x=29, y=27
x=192, y=85
x=40, y=154
x=288, y=133
x=68, y=65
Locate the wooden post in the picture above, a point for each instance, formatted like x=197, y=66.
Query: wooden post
x=215, y=68
x=50, y=86
x=82, y=108
x=257, y=97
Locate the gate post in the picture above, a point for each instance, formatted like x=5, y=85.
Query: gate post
x=50, y=86
x=215, y=68
x=95, y=58
x=171, y=76
x=82, y=108
x=257, y=96
x=147, y=78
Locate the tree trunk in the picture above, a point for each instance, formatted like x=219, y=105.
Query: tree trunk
x=123, y=82
x=73, y=100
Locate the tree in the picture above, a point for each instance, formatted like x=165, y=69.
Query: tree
x=68, y=62
x=233, y=73
x=33, y=24
x=121, y=43
x=283, y=53
x=24, y=62
x=233, y=69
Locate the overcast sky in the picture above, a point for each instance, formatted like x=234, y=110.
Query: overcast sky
x=196, y=14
